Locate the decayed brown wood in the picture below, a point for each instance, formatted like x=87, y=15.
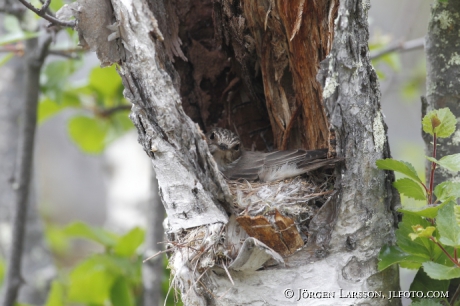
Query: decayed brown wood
x=290, y=39
x=260, y=228
x=255, y=71
x=288, y=232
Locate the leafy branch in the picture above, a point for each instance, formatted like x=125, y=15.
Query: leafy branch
x=434, y=229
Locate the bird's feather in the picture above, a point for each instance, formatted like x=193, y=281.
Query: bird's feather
x=278, y=165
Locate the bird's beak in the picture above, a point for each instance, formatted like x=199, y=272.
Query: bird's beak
x=223, y=147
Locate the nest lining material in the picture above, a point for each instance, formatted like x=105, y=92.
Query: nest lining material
x=285, y=207
x=292, y=197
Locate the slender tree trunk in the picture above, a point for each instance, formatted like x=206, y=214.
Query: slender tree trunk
x=258, y=92
x=443, y=84
x=26, y=248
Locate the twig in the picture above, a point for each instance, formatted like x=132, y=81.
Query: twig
x=42, y=13
x=106, y=112
x=401, y=47
x=67, y=53
x=36, y=56
x=445, y=251
x=48, y=11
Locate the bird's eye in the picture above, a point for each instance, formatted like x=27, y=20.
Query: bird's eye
x=212, y=136
x=237, y=147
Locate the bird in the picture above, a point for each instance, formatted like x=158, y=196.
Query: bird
x=235, y=163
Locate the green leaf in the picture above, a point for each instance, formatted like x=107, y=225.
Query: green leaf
x=443, y=118
x=56, y=294
x=421, y=247
x=390, y=255
x=449, y=229
x=450, y=162
x=56, y=238
x=398, y=166
x=88, y=133
x=55, y=77
x=457, y=213
x=428, y=211
x=130, y=268
x=105, y=81
x=128, y=244
x=447, y=190
x=422, y=282
x=55, y=5
x=92, y=280
x=120, y=293
x=438, y=271
x=421, y=232
x=83, y=230
x=48, y=108
x=2, y=270
x=410, y=188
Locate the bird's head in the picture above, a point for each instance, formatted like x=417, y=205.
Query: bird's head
x=225, y=147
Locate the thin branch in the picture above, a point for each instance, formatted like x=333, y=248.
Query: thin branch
x=400, y=47
x=64, y=54
x=67, y=53
x=433, y=168
x=445, y=252
x=45, y=6
x=48, y=11
x=107, y=112
x=42, y=13
x=35, y=57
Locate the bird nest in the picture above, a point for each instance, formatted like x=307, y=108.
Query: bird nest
x=272, y=217
x=296, y=197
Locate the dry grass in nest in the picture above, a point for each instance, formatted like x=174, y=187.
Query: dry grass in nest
x=299, y=197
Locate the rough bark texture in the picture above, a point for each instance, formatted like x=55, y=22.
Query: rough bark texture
x=443, y=84
x=348, y=231
x=189, y=183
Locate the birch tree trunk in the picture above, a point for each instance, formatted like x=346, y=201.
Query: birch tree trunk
x=255, y=72
x=442, y=85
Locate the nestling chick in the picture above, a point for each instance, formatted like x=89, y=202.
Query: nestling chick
x=236, y=163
